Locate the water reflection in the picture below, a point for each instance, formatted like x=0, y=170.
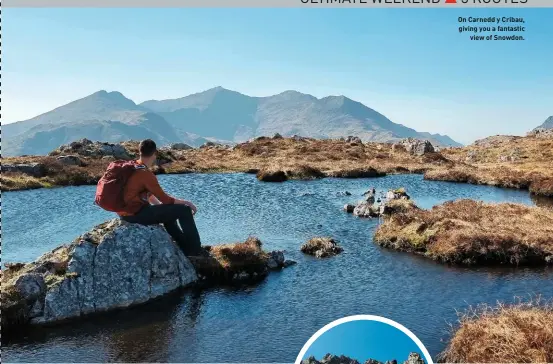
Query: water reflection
x=269, y=322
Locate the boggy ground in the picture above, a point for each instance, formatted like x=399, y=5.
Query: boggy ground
x=503, y=161
x=518, y=333
x=273, y=159
x=473, y=232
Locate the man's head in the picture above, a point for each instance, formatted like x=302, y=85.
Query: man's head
x=148, y=152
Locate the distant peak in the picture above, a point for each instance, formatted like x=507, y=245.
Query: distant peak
x=111, y=97
x=112, y=94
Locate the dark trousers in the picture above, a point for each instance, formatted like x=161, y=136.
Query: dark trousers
x=186, y=236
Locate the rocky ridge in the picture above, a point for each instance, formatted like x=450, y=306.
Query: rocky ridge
x=413, y=358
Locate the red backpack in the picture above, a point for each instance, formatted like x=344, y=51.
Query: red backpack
x=110, y=188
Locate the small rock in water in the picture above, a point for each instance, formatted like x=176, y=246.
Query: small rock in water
x=349, y=208
x=276, y=259
x=321, y=247
x=289, y=263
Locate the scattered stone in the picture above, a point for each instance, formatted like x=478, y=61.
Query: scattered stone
x=541, y=133
x=366, y=209
x=88, y=148
x=69, y=160
x=32, y=169
x=321, y=247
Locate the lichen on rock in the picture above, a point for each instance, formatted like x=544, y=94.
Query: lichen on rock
x=114, y=265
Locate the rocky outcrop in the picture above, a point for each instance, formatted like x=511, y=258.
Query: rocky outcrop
x=113, y=266
x=321, y=247
x=416, y=146
x=366, y=209
x=541, y=133
x=88, y=148
x=33, y=169
x=495, y=140
x=393, y=202
x=414, y=358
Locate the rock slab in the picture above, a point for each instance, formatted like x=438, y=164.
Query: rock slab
x=115, y=265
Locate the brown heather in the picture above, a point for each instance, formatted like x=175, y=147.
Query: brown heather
x=229, y=259
x=472, y=232
x=274, y=159
x=503, y=161
x=518, y=333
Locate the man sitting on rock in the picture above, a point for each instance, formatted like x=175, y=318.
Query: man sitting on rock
x=147, y=204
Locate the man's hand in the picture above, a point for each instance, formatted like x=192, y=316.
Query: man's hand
x=189, y=204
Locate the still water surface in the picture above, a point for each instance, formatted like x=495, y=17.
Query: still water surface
x=271, y=321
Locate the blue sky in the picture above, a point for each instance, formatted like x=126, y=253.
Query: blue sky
x=412, y=65
x=362, y=340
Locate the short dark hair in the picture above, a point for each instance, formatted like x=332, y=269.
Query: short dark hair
x=147, y=148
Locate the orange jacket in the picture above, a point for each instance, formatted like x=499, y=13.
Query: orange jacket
x=141, y=184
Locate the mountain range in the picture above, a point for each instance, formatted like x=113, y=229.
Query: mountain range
x=217, y=114
x=547, y=124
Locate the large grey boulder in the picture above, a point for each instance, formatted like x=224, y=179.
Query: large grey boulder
x=417, y=146
x=115, y=265
x=69, y=160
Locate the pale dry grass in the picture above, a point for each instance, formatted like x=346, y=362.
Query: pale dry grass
x=473, y=232
x=517, y=333
x=302, y=158
x=503, y=161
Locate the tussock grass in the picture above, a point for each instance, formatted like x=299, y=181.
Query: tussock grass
x=503, y=161
x=472, y=232
x=517, y=333
x=230, y=259
x=297, y=158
